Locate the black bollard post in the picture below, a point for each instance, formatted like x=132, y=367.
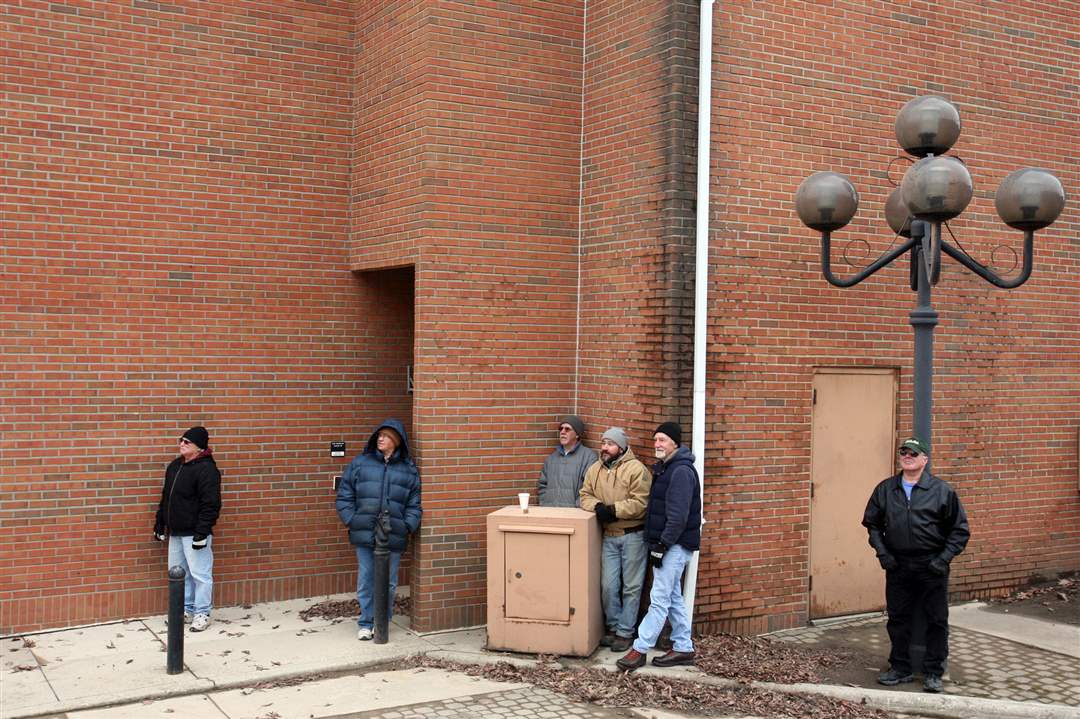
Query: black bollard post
x=382, y=579
x=175, y=648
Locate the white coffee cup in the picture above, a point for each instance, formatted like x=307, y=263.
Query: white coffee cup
x=523, y=500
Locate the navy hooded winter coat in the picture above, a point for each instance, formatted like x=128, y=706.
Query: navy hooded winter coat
x=371, y=484
x=674, y=513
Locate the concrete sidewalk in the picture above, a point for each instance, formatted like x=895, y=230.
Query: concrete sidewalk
x=249, y=662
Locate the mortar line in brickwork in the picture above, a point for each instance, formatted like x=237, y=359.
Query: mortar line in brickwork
x=581, y=200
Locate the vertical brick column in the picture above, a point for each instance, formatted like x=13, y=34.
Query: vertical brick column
x=467, y=156
x=638, y=216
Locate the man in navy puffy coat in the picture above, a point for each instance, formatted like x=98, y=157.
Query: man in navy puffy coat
x=381, y=481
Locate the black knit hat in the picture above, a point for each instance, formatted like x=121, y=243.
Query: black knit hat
x=671, y=429
x=198, y=436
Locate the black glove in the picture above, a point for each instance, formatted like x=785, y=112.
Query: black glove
x=159, y=536
x=888, y=562
x=605, y=513
x=656, y=554
x=198, y=541
x=938, y=566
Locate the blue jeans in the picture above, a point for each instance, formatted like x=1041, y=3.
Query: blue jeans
x=622, y=572
x=198, y=566
x=667, y=603
x=365, y=585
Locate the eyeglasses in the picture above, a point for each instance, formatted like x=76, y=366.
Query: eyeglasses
x=185, y=440
x=566, y=428
x=908, y=453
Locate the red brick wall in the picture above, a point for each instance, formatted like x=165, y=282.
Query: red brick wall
x=468, y=149
x=802, y=87
x=174, y=201
x=186, y=188
x=638, y=217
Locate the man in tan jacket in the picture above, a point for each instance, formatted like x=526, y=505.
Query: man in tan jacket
x=616, y=488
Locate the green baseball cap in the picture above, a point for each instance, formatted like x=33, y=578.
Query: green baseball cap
x=916, y=445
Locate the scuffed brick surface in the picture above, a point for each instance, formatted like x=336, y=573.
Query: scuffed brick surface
x=257, y=218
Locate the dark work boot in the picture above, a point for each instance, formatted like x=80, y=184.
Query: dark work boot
x=633, y=660
x=674, y=659
x=892, y=677
x=932, y=683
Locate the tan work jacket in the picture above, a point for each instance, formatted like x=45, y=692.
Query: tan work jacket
x=625, y=484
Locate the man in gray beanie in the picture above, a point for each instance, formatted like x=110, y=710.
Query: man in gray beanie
x=616, y=488
x=564, y=469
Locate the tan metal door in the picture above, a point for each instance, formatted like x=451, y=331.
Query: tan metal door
x=538, y=574
x=853, y=431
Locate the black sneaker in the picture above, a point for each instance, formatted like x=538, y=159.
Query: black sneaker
x=932, y=683
x=892, y=677
x=607, y=639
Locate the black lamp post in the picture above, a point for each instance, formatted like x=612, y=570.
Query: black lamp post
x=935, y=189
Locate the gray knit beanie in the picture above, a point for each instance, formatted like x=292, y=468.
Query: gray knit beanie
x=574, y=421
x=618, y=436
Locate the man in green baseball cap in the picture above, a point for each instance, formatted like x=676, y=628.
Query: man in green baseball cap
x=916, y=526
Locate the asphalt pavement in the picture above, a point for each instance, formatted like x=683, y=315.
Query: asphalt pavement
x=265, y=662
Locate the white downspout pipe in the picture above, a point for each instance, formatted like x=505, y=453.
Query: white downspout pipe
x=701, y=275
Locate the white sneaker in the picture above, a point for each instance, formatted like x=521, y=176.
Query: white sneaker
x=187, y=617
x=200, y=622
x=365, y=634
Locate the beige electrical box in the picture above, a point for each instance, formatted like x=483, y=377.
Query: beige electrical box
x=543, y=593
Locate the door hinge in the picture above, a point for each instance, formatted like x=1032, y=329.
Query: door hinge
x=811, y=490
x=814, y=400
x=810, y=583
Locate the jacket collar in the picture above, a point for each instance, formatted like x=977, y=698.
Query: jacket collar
x=624, y=457
x=682, y=454
x=563, y=451
x=924, y=480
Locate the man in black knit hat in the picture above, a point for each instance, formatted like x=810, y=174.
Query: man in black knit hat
x=673, y=534
x=189, y=507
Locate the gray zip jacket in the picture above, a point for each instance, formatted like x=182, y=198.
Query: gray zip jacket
x=562, y=475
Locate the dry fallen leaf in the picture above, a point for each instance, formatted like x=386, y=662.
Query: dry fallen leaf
x=627, y=689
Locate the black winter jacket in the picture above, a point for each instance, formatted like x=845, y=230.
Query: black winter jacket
x=674, y=512
x=190, y=498
x=371, y=484
x=932, y=524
